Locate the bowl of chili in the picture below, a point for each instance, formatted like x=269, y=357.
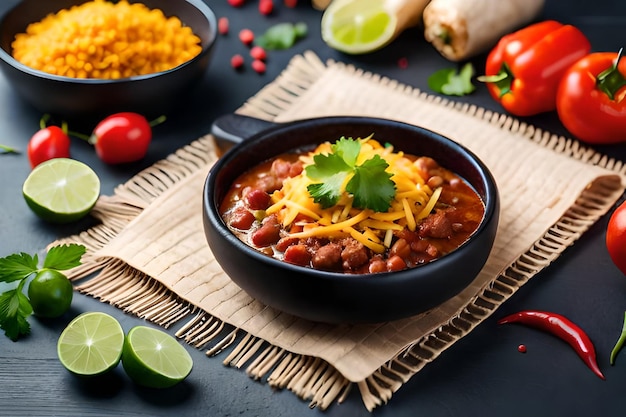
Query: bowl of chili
x=353, y=289
x=95, y=60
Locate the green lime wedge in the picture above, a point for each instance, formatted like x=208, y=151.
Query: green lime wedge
x=61, y=190
x=91, y=344
x=357, y=27
x=154, y=359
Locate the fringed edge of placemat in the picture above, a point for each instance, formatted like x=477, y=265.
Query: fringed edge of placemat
x=308, y=377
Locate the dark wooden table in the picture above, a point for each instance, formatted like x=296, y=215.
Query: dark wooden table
x=481, y=375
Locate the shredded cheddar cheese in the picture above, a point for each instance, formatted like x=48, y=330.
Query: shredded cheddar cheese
x=413, y=201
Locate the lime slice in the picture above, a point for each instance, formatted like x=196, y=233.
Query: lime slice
x=61, y=190
x=153, y=358
x=91, y=344
x=357, y=27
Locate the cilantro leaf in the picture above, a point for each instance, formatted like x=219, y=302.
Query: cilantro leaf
x=326, y=166
x=372, y=186
x=447, y=81
x=17, y=266
x=14, y=311
x=348, y=149
x=282, y=35
x=327, y=193
x=64, y=257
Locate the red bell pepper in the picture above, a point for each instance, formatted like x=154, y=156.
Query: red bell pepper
x=524, y=69
x=591, y=99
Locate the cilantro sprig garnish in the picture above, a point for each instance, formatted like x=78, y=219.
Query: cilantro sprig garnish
x=15, y=306
x=369, y=183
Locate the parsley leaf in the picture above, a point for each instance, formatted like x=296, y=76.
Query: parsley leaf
x=369, y=183
x=282, y=35
x=14, y=311
x=452, y=83
x=15, y=306
x=17, y=266
x=64, y=257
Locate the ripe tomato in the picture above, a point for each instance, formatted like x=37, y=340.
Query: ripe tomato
x=616, y=237
x=591, y=99
x=122, y=137
x=50, y=293
x=48, y=143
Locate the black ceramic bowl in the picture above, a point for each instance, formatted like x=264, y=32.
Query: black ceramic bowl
x=336, y=297
x=151, y=94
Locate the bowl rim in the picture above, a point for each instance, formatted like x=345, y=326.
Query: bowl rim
x=198, y=4
x=211, y=209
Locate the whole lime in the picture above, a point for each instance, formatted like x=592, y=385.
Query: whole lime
x=50, y=293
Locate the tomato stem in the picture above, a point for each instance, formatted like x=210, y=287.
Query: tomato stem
x=157, y=121
x=8, y=149
x=610, y=81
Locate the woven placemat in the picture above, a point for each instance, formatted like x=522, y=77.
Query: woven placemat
x=149, y=255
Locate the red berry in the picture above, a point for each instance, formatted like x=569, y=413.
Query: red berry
x=291, y=3
x=266, y=7
x=258, y=66
x=521, y=348
x=236, y=61
x=236, y=3
x=246, y=36
x=257, y=52
x=222, y=25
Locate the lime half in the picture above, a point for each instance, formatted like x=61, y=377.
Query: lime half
x=153, y=358
x=61, y=190
x=91, y=344
x=357, y=27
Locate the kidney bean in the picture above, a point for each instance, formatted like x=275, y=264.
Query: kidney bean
x=241, y=218
x=401, y=248
x=257, y=199
x=267, y=234
x=284, y=243
x=297, y=254
x=395, y=263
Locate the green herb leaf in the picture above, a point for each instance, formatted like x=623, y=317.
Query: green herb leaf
x=282, y=35
x=15, y=306
x=369, y=183
x=447, y=81
x=14, y=311
x=17, y=266
x=64, y=257
x=327, y=193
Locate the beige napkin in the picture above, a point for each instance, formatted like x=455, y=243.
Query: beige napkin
x=155, y=262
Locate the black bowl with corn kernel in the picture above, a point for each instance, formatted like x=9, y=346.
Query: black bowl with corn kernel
x=91, y=58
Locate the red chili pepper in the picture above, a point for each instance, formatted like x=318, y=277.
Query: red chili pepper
x=47, y=143
x=524, y=69
x=123, y=137
x=591, y=100
x=562, y=327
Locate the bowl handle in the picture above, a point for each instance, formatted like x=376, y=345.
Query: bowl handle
x=236, y=127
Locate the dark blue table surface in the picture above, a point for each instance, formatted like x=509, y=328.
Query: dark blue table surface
x=481, y=375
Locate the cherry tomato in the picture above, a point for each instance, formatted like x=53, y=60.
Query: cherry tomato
x=48, y=143
x=50, y=293
x=122, y=137
x=616, y=237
